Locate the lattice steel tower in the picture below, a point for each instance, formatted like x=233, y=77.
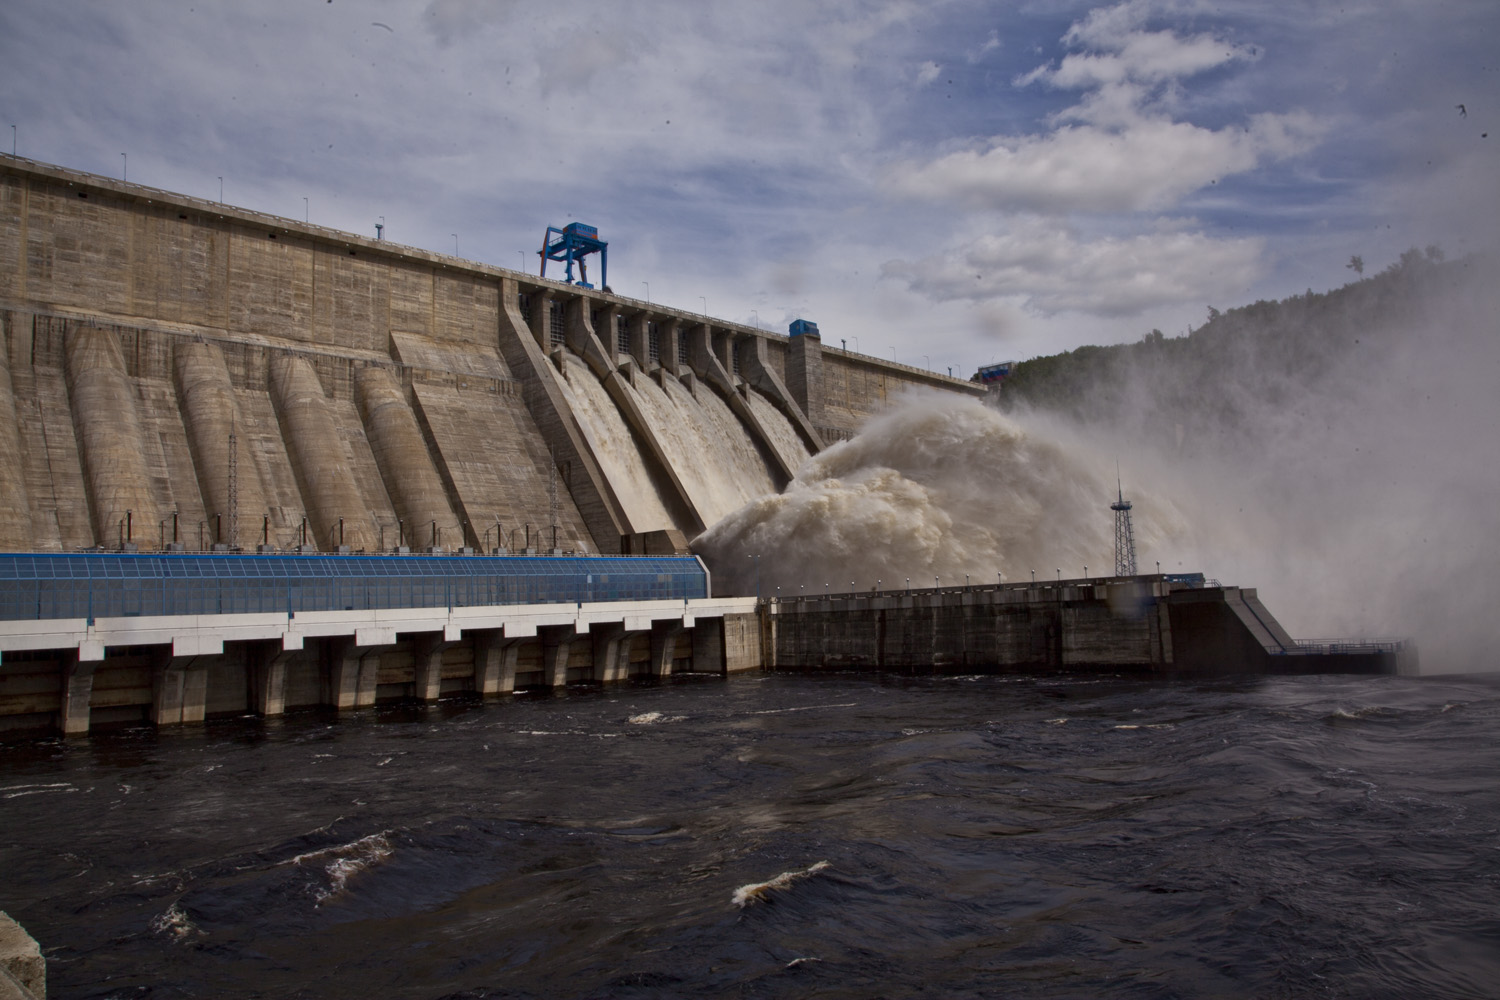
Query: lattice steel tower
x=1124, y=536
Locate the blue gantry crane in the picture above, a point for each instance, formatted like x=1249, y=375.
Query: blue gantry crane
x=572, y=243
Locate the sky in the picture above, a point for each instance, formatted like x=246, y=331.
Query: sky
x=948, y=183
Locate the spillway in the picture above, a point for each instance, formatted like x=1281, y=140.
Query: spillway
x=710, y=450
x=614, y=447
x=783, y=436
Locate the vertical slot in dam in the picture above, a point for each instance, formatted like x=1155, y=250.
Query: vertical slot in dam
x=15, y=506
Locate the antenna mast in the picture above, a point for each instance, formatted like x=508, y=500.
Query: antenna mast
x=1124, y=536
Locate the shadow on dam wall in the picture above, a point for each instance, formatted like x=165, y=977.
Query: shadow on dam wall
x=183, y=374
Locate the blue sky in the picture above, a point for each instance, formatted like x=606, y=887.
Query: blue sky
x=950, y=182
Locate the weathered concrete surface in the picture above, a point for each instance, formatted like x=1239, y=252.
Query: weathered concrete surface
x=145, y=286
x=1137, y=624
x=21, y=958
x=181, y=670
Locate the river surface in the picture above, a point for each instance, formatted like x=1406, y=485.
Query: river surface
x=1063, y=837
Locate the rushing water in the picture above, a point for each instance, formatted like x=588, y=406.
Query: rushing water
x=1063, y=837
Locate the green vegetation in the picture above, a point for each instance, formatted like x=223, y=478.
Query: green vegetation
x=1219, y=376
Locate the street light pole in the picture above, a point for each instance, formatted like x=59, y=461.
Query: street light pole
x=648, y=290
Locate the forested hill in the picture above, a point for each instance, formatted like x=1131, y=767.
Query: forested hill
x=1246, y=361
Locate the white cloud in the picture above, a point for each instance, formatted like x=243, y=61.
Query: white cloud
x=1117, y=149
x=1150, y=164
x=928, y=72
x=1053, y=270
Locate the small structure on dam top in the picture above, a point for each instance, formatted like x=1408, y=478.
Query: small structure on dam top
x=574, y=243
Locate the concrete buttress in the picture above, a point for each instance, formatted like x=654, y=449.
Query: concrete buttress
x=108, y=425
x=402, y=453
x=211, y=414
x=319, y=458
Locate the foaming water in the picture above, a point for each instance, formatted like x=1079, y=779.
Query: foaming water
x=940, y=487
x=961, y=836
x=784, y=437
x=614, y=446
x=710, y=450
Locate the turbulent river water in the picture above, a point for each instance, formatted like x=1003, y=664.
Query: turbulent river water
x=1060, y=837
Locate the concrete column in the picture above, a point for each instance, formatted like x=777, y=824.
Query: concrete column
x=78, y=690
x=351, y=673
x=663, y=645
x=427, y=652
x=495, y=663
x=179, y=690
x=556, y=642
x=639, y=348
x=266, y=663
x=804, y=375
x=611, y=653
x=607, y=330
x=668, y=331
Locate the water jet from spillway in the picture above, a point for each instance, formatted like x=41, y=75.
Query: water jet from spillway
x=939, y=487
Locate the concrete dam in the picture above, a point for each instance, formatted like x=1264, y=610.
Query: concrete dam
x=250, y=465
x=254, y=381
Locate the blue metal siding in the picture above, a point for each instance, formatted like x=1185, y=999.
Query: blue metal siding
x=107, y=585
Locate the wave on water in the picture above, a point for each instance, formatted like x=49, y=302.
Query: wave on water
x=176, y=924
x=344, y=861
x=759, y=892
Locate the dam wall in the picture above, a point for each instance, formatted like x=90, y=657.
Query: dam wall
x=1153, y=625
x=182, y=374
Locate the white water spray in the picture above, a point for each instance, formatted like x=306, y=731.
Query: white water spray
x=936, y=490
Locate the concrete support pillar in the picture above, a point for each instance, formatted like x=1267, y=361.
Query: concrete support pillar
x=611, y=653
x=663, y=646
x=639, y=347
x=804, y=375
x=179, y=690
x=266, y=663
x=668, y=331
x=427, y=654
x=351, y=673
x=556, y=645
x=495, y=663
x=78, y=691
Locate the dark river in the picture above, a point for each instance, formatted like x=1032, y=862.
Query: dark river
x=1303, y=837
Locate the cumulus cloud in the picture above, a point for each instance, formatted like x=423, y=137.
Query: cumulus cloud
x=1117, y=149
x=1152, y=164
x=1053, y=270
x=927, y=72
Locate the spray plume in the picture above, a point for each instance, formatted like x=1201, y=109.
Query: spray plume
x=941, y=486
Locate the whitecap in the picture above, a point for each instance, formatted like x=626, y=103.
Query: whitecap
x=758, y=892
